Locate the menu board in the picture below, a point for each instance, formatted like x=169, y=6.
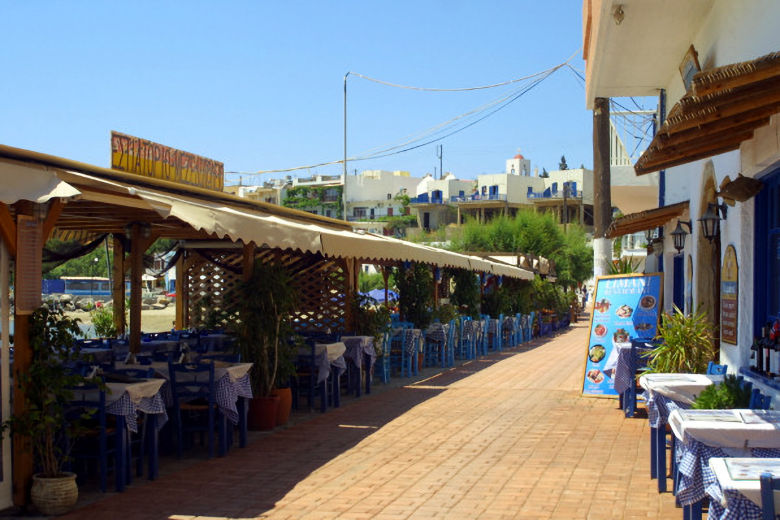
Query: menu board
x=729, y=297
x=625, y=307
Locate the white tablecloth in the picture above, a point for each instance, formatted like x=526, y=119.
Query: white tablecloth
x=748, y=429
x=678, y=387
x=358, y=346
x=325, y=355
x=126, y=399
x=749, y=488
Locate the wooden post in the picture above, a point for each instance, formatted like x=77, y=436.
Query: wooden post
x=349, y=266
x=136, y=272
x=435, y=288
x=248, y=261
x=385, y=276
x=22, y=448
x=118, y=289
x=182, y=291
x=602, y=201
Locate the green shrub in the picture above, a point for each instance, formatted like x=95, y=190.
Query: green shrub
x=731, y=393
x=686, y=344
x=103, y=322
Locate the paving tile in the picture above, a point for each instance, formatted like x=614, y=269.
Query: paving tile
x=508, y=436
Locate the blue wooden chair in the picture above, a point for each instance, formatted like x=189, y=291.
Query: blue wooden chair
x=399, y=356
x=529, y=331
x=435, y=346
x=713, y=369
x=97, y=440
x=136, y=443
x=451, y=342
x=194, y=403
x=759, y=401
x=385, y=361
x=769, y=485
x=306, y=374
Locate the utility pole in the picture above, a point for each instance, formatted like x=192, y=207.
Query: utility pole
x=602, y=200
x=344, y=188
x=565, y=208
x=439, y=153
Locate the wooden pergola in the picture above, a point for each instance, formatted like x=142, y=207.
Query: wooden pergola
x=222, y=236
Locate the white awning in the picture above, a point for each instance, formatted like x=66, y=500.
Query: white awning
x=37, y=184
x=236, y=222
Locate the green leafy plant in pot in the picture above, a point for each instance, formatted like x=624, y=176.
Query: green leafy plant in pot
x=268, y=299
x=732, y=392
x=686, y=344
x=44, y=426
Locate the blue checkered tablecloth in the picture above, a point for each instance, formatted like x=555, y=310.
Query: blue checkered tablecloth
x=626, y=367
x=696, y=478
x=659, y=407
x=438, y=332
x=357, y=347
x=737, y=507
x=412, y=339
x=125, y=407
x=228, y=392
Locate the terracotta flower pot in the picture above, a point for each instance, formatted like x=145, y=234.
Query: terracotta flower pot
x=262, y=413
x=285, y=405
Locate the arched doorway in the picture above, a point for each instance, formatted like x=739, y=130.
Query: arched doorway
x=708, y=256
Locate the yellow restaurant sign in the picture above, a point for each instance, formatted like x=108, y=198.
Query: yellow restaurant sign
x=144, y=157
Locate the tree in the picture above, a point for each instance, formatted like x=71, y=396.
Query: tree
x=544, y=174
x=562, y=165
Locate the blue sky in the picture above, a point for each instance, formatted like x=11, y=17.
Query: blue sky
x=259, y=85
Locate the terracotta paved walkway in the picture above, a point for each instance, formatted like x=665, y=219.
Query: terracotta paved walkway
x=504, y=437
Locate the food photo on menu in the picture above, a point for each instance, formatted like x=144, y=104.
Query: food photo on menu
x=597, y=353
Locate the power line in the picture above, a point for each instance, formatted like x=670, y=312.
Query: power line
x=379, y=152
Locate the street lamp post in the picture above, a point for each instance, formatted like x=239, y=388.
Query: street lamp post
x=93, y=266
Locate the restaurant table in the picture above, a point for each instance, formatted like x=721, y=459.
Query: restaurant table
x=626, y=358
x=124, y=400
x=360, y=350
x=100, y=355
x=438, y=332
x=327, y=356
x=736, y=492
x=413, y=345
x=704, y=434
x=231, y=385
x=471, y=331
x=666, y=392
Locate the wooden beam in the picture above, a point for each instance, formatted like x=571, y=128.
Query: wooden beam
x=8, y=229
x=711, y=142
x=136, y=271
x=118, y=289
x=692, y=103
x=181, y=291
x=248, y=261
x=755, y=108
x=729, y=76
x=55, y=210
x=730, y=125
x=641, y=170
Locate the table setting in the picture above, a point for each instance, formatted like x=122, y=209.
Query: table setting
x=736, y=492
x=704, y=434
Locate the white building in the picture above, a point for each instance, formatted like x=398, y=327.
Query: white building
x=371, y=197
x=719, y=145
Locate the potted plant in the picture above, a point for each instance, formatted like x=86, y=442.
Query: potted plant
x=732, y=392
x=43, y=427
x=686, y=344
x=269, y=298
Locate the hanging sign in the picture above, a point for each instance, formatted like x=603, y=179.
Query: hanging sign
x=729, y=296
x=144, y=157
x=625, y=307
x=29, y=247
